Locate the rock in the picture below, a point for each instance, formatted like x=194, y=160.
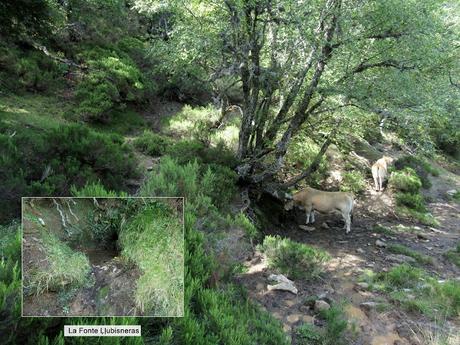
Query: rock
x=422, y=237
x=150, y=168
x=451, y=192
x=283, y=286
x=360, y=250
x=306, y=228
x=321, y=305
x=41, y=221
x=363, y=285
x=279, y=278
x=294, y=318
x=399, y=258
x=380, y=243
x=308, y=319
x=324, y=226
x=369, y=305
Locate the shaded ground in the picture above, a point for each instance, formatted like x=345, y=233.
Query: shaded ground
x=355, y=252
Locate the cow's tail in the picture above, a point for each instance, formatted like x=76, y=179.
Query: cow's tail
x=351, y=211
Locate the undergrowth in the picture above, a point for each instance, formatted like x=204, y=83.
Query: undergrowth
x=154, y=240
x=65, y=268
x=417, y=291
x=294, y=259
x=401, y=249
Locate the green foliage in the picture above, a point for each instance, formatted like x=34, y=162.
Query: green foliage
x=336, y=325
x=412, y=201
x=95, y=189
x=454, y=255
x=249, y=228
x=29, y=71
x=294, y=259
x=210, y=316
x=113, y=79
x=41, y=163
x=421, y=167
x=419, y=292
x=382, y=229
x=154, y=240
x=301, y=154
x=23, y=17
x=331, y=334
x=152, y=144
x=401, y=249
x=406, y=180
x=186, y=151
x=10, y=277
x=66, y=268
x=353, y=181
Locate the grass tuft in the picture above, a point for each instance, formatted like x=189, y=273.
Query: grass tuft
x=296, y=260
x=401, y=249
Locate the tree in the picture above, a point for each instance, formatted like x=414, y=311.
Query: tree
x=294, y=60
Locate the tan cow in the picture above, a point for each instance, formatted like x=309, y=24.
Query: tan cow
x=380, y=171
x=315, y=200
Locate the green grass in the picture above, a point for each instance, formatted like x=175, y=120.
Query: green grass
x=416, y=291
x=152, y=144
x=454, y=255
x=422, y=217
x=65, y=269
x=353, y=181
x=122, y=121
x=401, y=249
x=382, y=229
x=294, y=259
x=331, y=334
x=456, y=196
x=154, y=240
x=33, y=110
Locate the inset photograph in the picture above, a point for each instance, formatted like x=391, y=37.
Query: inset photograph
x=103, y=257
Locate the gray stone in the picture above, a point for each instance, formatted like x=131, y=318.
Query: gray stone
x=307, y=228
x=283, y=287
x=380, y=243
x=321, y=305
x=324, y=226
x=369, y=305
x=360, y=250
x=363, y=285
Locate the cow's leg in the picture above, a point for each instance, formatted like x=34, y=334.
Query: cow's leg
x=347, y=221
x=312, y=216
x=380, y=183
x=375, y=174
x=308, y=211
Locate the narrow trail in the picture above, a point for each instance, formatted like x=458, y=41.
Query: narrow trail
x=353, y=254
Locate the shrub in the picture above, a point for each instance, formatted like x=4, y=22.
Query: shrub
x=412, y=201
x=296, y=260
x=51, y=161
x=249, y=228
x=406, y=180
x=152, y=144
x=113, y=79
x=186, y=151
x=421, y=167
x=354, y=182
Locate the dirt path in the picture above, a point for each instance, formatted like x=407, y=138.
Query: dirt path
x=356, y=252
